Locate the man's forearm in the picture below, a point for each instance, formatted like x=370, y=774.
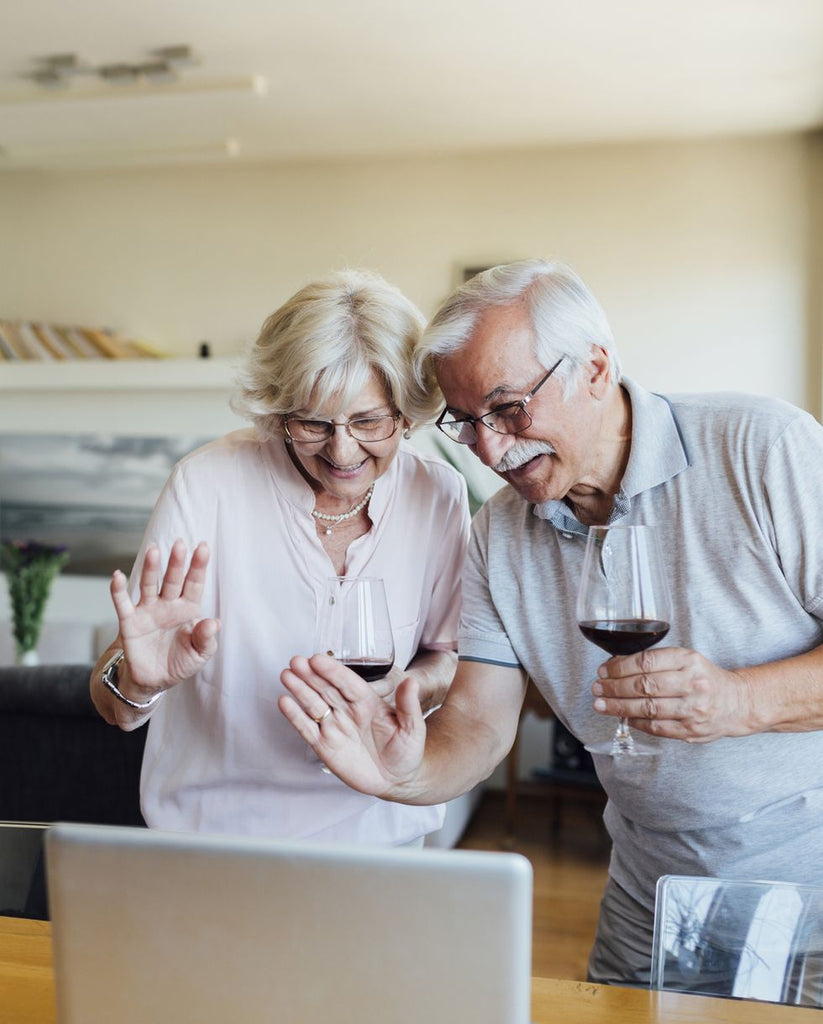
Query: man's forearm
x=786, y=696
x=469, y=735
x=458, y=755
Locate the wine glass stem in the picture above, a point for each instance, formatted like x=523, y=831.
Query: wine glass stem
x=623, y=742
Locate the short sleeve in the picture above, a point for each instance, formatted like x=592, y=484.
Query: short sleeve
x=793, y=490
x=480, y=635
x=444, y=609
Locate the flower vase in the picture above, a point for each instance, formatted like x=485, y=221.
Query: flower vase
x=30, y=569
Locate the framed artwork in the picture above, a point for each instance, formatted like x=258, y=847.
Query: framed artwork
x=469, y=272
x=91, y=493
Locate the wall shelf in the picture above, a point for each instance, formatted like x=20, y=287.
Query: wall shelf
x=119, y=374
x=119, y=396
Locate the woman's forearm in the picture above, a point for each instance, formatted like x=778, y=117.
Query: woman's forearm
x=434, y=671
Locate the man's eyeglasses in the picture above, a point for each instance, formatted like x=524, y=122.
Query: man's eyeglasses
x=509, y=418
x=361, y=428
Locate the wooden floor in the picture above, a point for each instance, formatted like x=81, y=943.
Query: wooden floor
x=569, y=865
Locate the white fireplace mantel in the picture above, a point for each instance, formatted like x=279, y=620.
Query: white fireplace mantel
x=178, y=397
x=142, y=396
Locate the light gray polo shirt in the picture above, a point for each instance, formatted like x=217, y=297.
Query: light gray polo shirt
x=734, y=484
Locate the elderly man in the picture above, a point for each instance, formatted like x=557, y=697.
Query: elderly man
x=734, y=484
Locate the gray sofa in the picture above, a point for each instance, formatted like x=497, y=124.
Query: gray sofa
x=59, y=761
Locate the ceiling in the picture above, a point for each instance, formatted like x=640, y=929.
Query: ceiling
x=389, y=77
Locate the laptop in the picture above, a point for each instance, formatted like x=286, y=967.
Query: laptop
x=152, y=926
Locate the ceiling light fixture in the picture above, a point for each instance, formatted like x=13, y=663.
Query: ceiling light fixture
x=64, y=64
x=140, y=86
x=48, y=79
x=156, y=71
x=176, y=56
x=118, y=74
x=58, y=74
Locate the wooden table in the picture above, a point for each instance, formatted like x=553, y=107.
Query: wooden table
x=577, y=1002
x=27, y=993
x=26, y=975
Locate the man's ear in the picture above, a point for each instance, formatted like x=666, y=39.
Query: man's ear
x=599, y=371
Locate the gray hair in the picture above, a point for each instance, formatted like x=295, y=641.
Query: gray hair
x=566, y=317
x=325, y=342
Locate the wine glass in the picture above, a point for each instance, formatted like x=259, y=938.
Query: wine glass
x=623, y=606
x=354, y=627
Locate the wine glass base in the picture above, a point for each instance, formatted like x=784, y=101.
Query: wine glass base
x=315, y=761
x=624, y=749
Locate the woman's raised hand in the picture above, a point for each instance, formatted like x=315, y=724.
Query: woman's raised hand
x=163, y=635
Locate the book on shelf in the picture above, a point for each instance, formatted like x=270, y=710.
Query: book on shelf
x=53, y=341
x=42, y=341
x=107, y=345
x=33, y=342
x=76, y=342
x=23, y=342
x=145, y=349
x=7, y=351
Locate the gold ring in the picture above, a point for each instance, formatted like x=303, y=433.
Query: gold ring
x=324, y=716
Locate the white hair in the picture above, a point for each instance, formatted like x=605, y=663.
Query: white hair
x=324, y=344
x=566, y=317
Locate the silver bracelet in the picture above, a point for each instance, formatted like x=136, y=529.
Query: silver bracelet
x=109, y=680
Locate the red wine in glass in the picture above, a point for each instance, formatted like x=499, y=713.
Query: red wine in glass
x=624, y=636
x=353, y=625
x=623, y=606
x=369, y=670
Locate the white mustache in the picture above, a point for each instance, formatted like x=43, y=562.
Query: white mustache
x=521, y=453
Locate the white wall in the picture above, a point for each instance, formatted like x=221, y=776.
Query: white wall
x=814, y=305
x=698, y=251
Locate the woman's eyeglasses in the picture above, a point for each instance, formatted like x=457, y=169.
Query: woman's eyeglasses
x=361, y=428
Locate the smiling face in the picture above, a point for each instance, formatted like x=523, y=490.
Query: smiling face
x=560, y=454
x=341, y=469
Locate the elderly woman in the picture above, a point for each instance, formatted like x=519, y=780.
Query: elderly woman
x=323, y=485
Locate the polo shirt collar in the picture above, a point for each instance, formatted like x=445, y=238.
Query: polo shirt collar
x=657, y=455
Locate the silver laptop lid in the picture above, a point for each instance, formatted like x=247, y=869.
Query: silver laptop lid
x=152, y=926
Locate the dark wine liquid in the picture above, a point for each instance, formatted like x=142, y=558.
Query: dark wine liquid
x=368, y=670
x=624, y=636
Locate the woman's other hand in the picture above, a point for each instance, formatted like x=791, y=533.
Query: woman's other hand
x=164, y=638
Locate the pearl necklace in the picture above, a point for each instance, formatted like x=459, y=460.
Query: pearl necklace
x=334, y=520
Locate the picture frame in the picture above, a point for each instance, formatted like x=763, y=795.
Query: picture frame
x=90, y=493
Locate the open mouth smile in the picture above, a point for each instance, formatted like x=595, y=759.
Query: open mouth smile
x=348, y=470
x=525, y=467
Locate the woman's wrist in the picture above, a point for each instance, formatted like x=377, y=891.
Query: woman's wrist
x=116, y=681
x=433, y=668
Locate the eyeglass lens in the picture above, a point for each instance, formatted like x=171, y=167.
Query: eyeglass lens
x=506, y=420
x=511, y=418
x=369, y=428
